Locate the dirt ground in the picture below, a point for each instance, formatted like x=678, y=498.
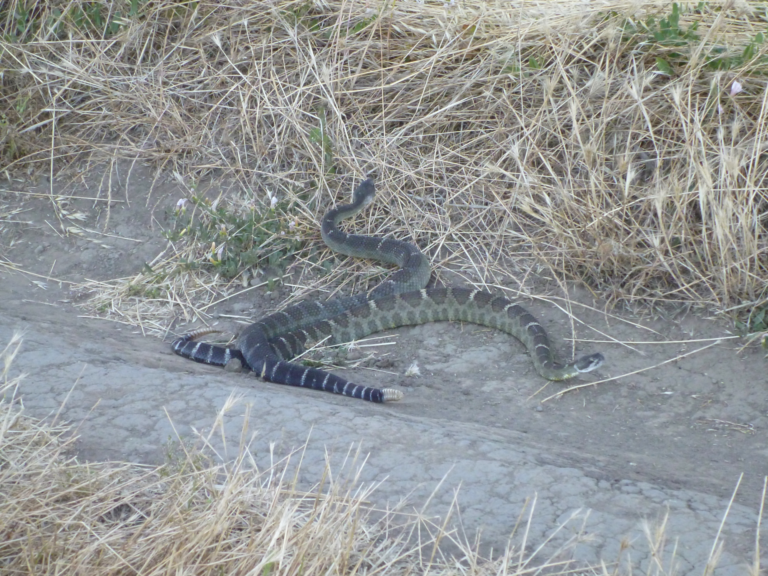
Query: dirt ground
x=674, y=416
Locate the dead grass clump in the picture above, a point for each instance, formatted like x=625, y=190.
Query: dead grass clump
x=621, y=144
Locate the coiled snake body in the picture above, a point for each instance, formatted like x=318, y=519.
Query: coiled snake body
x=267, y=346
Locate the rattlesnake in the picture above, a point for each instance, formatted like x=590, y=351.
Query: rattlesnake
x=266, y=346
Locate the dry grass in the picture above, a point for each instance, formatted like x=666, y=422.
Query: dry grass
x=496, y=130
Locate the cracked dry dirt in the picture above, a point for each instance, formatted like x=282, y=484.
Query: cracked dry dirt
x=675, y=437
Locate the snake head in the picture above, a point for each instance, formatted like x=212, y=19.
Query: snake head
x=589, y=363
x=363, y=194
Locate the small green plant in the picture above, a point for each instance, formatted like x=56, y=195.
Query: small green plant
x=755, y=327
x=756, y=322
x=663, y=34
x=361, y=25
x=720, y=59
x=27, y=20
x=667, y=33
x=230, y=241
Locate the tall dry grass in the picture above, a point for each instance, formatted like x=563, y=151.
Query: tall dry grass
x=496, y=130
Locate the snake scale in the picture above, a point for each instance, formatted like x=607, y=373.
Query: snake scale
x=267, y=346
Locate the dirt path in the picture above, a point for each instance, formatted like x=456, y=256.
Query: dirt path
x=677, y=436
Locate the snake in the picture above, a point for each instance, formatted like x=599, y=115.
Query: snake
x=267, y=346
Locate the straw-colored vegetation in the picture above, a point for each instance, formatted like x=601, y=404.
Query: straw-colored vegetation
x=621, y=144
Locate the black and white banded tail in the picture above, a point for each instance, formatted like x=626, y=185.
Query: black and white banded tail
x=266, y=364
